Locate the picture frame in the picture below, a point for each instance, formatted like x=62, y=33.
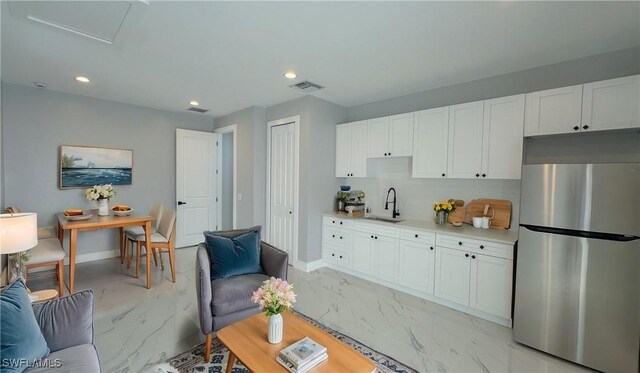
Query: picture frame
x=85, y=166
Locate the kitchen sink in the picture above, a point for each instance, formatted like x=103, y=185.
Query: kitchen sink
x=386, y=220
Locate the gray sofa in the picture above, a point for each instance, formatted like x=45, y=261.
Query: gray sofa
x=224, y=301
x=67, y=326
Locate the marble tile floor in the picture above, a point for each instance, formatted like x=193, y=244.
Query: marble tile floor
x=137, y=328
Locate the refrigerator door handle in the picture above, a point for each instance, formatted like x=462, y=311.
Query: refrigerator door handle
x=583, y=234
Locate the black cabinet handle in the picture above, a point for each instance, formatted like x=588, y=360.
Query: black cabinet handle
x=340, y=237
x=484, y=175
x=416, y=236
x=443, y=175
x=585, y=127
x=340, y=256
x=180, y=203
x=576, y=128
x=340, y=223
x=473, y=256
x=334, y=222
x=333, y=254
x=371, y=236
x=385, y=154
x=481, y=247
x=467, y=255
x=333, y=235
x=431, y=248
x=376, y=237
x=460, y=243
x=477, y=175
x=389, y=153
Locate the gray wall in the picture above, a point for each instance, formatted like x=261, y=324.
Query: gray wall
x=226, y=173
x=251, y=163
x=318, y=184
x=36, y=122
x=599, y=67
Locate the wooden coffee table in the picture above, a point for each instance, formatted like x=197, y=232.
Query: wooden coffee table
x=247, y=341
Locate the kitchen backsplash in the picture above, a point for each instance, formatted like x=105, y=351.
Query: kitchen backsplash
x=416, y=196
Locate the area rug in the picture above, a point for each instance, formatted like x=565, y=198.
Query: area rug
x=193, y=360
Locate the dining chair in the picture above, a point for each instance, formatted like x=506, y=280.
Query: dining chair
x=163, y=241
x=156, y=213
x=47, y=253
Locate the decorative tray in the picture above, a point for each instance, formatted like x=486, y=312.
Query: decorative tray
x=78, y=217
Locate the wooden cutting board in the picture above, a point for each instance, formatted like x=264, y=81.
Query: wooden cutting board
x=501, y=208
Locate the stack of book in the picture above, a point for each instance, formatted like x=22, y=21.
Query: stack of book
x=302, y=355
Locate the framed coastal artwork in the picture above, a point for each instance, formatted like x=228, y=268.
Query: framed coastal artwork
x=85, y=166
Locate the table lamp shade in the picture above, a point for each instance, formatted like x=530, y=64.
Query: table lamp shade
x=18, y=232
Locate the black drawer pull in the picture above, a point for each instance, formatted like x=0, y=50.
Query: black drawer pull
x=443, y=175
x=371, y=236
x=416, y=236
x=467, y=255
x=481, y=247
x=576, y=128
x=340, y=256
x=460, y=243
x=431, y=248
x=340, y=223
x=340, y=237
x=473, y=256
x=585, y=127
x=333, y=235
x=484, y=175
x=376, y=237
x=477, y=175
x=333, y=254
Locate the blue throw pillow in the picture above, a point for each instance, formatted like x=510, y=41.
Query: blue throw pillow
x=21, y=341
x=239, y=255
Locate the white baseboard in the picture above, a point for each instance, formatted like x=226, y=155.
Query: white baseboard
x=310, y=266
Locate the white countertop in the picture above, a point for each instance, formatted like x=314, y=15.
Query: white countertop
x=508, y=237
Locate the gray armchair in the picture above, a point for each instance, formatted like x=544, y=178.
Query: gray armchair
x=67, y=326
x=224, y=301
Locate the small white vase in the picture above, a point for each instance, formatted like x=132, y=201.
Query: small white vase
x=103, y=207
x=274, y=328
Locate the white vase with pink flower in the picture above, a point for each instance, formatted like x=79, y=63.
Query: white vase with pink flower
x=274, y=297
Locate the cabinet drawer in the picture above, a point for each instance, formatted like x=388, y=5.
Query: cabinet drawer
x=418, y=236
x=336, y=222
x=376, y=229
x=476, y=246
x=337, y=256
x=337, y=236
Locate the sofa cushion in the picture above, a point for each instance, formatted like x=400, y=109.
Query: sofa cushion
x=81, y=358
x=234, y=293
x=21, y=341
x=235, y=256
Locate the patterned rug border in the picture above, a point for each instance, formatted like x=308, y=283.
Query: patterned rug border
x=193, y=359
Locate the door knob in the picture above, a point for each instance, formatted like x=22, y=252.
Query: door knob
x=180, y=203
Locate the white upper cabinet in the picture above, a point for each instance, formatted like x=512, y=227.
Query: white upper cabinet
x=430, y=143
x=502, y=137
x=343, y=150
x=377, y=137
x=611, y=104
x=465, y=140
x=401, y=135
x=553, y=111
x=604, y=105
x=390, y=136
x=351, y=154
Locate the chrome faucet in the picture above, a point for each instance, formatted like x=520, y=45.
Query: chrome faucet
x=395, y=212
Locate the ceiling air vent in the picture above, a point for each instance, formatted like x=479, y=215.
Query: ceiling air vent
x=306, y=86
x=198, y=110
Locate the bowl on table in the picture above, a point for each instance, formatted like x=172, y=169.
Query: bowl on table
x=122, y=210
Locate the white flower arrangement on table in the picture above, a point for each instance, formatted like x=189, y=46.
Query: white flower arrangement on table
x=274, y=296
x=98, y=192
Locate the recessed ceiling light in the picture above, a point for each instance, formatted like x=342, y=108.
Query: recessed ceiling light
x=82, y=79
x=290, y=75
x=194, y=103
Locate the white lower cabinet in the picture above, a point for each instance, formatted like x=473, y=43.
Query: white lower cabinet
x=470, y=275
x=417, y=264
x=452, y=275
x=363, y=253
x=387, y=253
x=491, y=285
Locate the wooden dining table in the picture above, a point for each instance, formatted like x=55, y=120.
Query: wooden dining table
x=100, y=222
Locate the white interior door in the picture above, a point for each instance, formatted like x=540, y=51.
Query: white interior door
x=282, y=176
x=196, y=185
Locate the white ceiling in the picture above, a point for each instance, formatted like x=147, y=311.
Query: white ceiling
x=231, y=55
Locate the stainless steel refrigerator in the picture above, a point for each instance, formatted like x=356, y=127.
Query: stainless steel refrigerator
x=577, y=292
